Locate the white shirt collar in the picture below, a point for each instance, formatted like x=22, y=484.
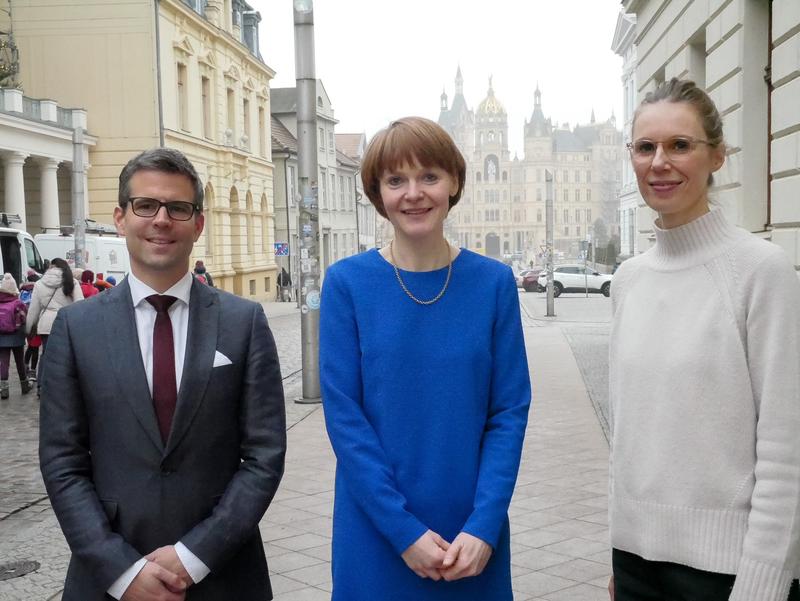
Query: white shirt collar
x=139, y=290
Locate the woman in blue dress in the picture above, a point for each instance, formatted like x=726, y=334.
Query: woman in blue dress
x=425, y=389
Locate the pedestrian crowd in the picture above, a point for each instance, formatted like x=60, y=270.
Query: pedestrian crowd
x=27, y=314
x=160, y=466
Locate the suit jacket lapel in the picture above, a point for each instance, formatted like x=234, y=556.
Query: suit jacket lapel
x=125, y=355
x=201, y=345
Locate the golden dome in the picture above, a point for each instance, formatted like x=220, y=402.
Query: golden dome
x=491, y=105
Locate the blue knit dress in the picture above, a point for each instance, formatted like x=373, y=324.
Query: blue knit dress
x=426, y=408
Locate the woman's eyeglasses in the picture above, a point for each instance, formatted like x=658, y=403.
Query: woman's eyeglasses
x=178, y=210
x=676, y=148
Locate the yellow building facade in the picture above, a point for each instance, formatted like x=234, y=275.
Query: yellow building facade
x=182, y=74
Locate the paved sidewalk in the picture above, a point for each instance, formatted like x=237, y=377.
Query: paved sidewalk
x=558, y=513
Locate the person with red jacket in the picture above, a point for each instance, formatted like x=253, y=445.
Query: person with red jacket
x=87, y=285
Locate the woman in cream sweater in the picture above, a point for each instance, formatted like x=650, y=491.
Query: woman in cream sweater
x=704, y=383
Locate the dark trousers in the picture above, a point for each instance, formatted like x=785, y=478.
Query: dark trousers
x=31, y=357
x=5, y=355
x=637, y=579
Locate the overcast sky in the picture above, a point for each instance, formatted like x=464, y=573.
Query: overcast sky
x=384, y=59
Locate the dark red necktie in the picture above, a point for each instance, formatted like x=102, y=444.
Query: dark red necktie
x=165, y=388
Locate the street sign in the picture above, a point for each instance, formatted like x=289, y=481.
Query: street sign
x=281, y=249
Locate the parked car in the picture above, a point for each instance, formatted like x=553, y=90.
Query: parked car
x=577, y=278
x=519, y=276
x=18, y=250
x=530, y=281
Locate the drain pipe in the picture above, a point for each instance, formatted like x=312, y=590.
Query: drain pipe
x=158, y=77
x=770, y=88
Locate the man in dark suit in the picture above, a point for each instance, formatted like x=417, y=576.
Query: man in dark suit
x=162, y=425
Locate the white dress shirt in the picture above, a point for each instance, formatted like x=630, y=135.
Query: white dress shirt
x=145, y=321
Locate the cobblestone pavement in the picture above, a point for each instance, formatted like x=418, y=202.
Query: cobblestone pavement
x=558, y=514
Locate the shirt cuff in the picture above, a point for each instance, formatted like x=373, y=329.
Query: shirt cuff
x=122, y=583
x=196, y=569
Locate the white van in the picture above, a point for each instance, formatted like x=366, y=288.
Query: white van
x=106, y=254
x=18, y=251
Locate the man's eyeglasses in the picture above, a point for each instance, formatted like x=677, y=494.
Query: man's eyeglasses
x=676, y=148
x=178, y=210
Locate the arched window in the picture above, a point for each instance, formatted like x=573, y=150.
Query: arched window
x=248, y=222
x=210, y=220
x=237, y=236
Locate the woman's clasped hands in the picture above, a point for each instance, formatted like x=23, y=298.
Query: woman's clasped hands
x=433, y=557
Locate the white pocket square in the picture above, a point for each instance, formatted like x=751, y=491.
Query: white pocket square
x=220, y=359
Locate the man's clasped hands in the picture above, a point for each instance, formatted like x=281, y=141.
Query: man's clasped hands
x=163, y=578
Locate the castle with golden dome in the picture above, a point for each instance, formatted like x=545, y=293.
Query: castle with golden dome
x=502, y=211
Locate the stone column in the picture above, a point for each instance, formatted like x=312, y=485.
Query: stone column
x=15, y=186
x=49, y=197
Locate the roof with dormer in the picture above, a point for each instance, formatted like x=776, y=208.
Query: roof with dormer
x=353, y=145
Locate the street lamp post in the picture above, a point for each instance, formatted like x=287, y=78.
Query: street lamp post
x=308, y=218
x=548, y=178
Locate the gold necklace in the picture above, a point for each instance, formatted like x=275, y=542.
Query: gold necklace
x=405, y=288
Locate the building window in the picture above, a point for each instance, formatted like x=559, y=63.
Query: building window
x=324, y=179
x=538, y=215
x=333, y=190
x=588, y=196
x=321, y=139
x=183, y=94
x=578, y=231
x=588, y=215
x=205, y=90
x=566, y=230
x=266, y=284
x=566, y=194
x=539, y=194
x=577, y=195
x=342, y=202
x=577, y=215
x=588, y=177
x=231, y=133
x=566, y=215
x=246, y=119
x=199, y=6
x=331, y=143
x=262, y=132
x=252, y=287
x=291, y=186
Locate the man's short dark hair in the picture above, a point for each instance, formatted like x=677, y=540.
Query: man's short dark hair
x=167, y=160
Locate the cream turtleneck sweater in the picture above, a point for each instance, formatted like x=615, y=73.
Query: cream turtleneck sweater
x=705, y=406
